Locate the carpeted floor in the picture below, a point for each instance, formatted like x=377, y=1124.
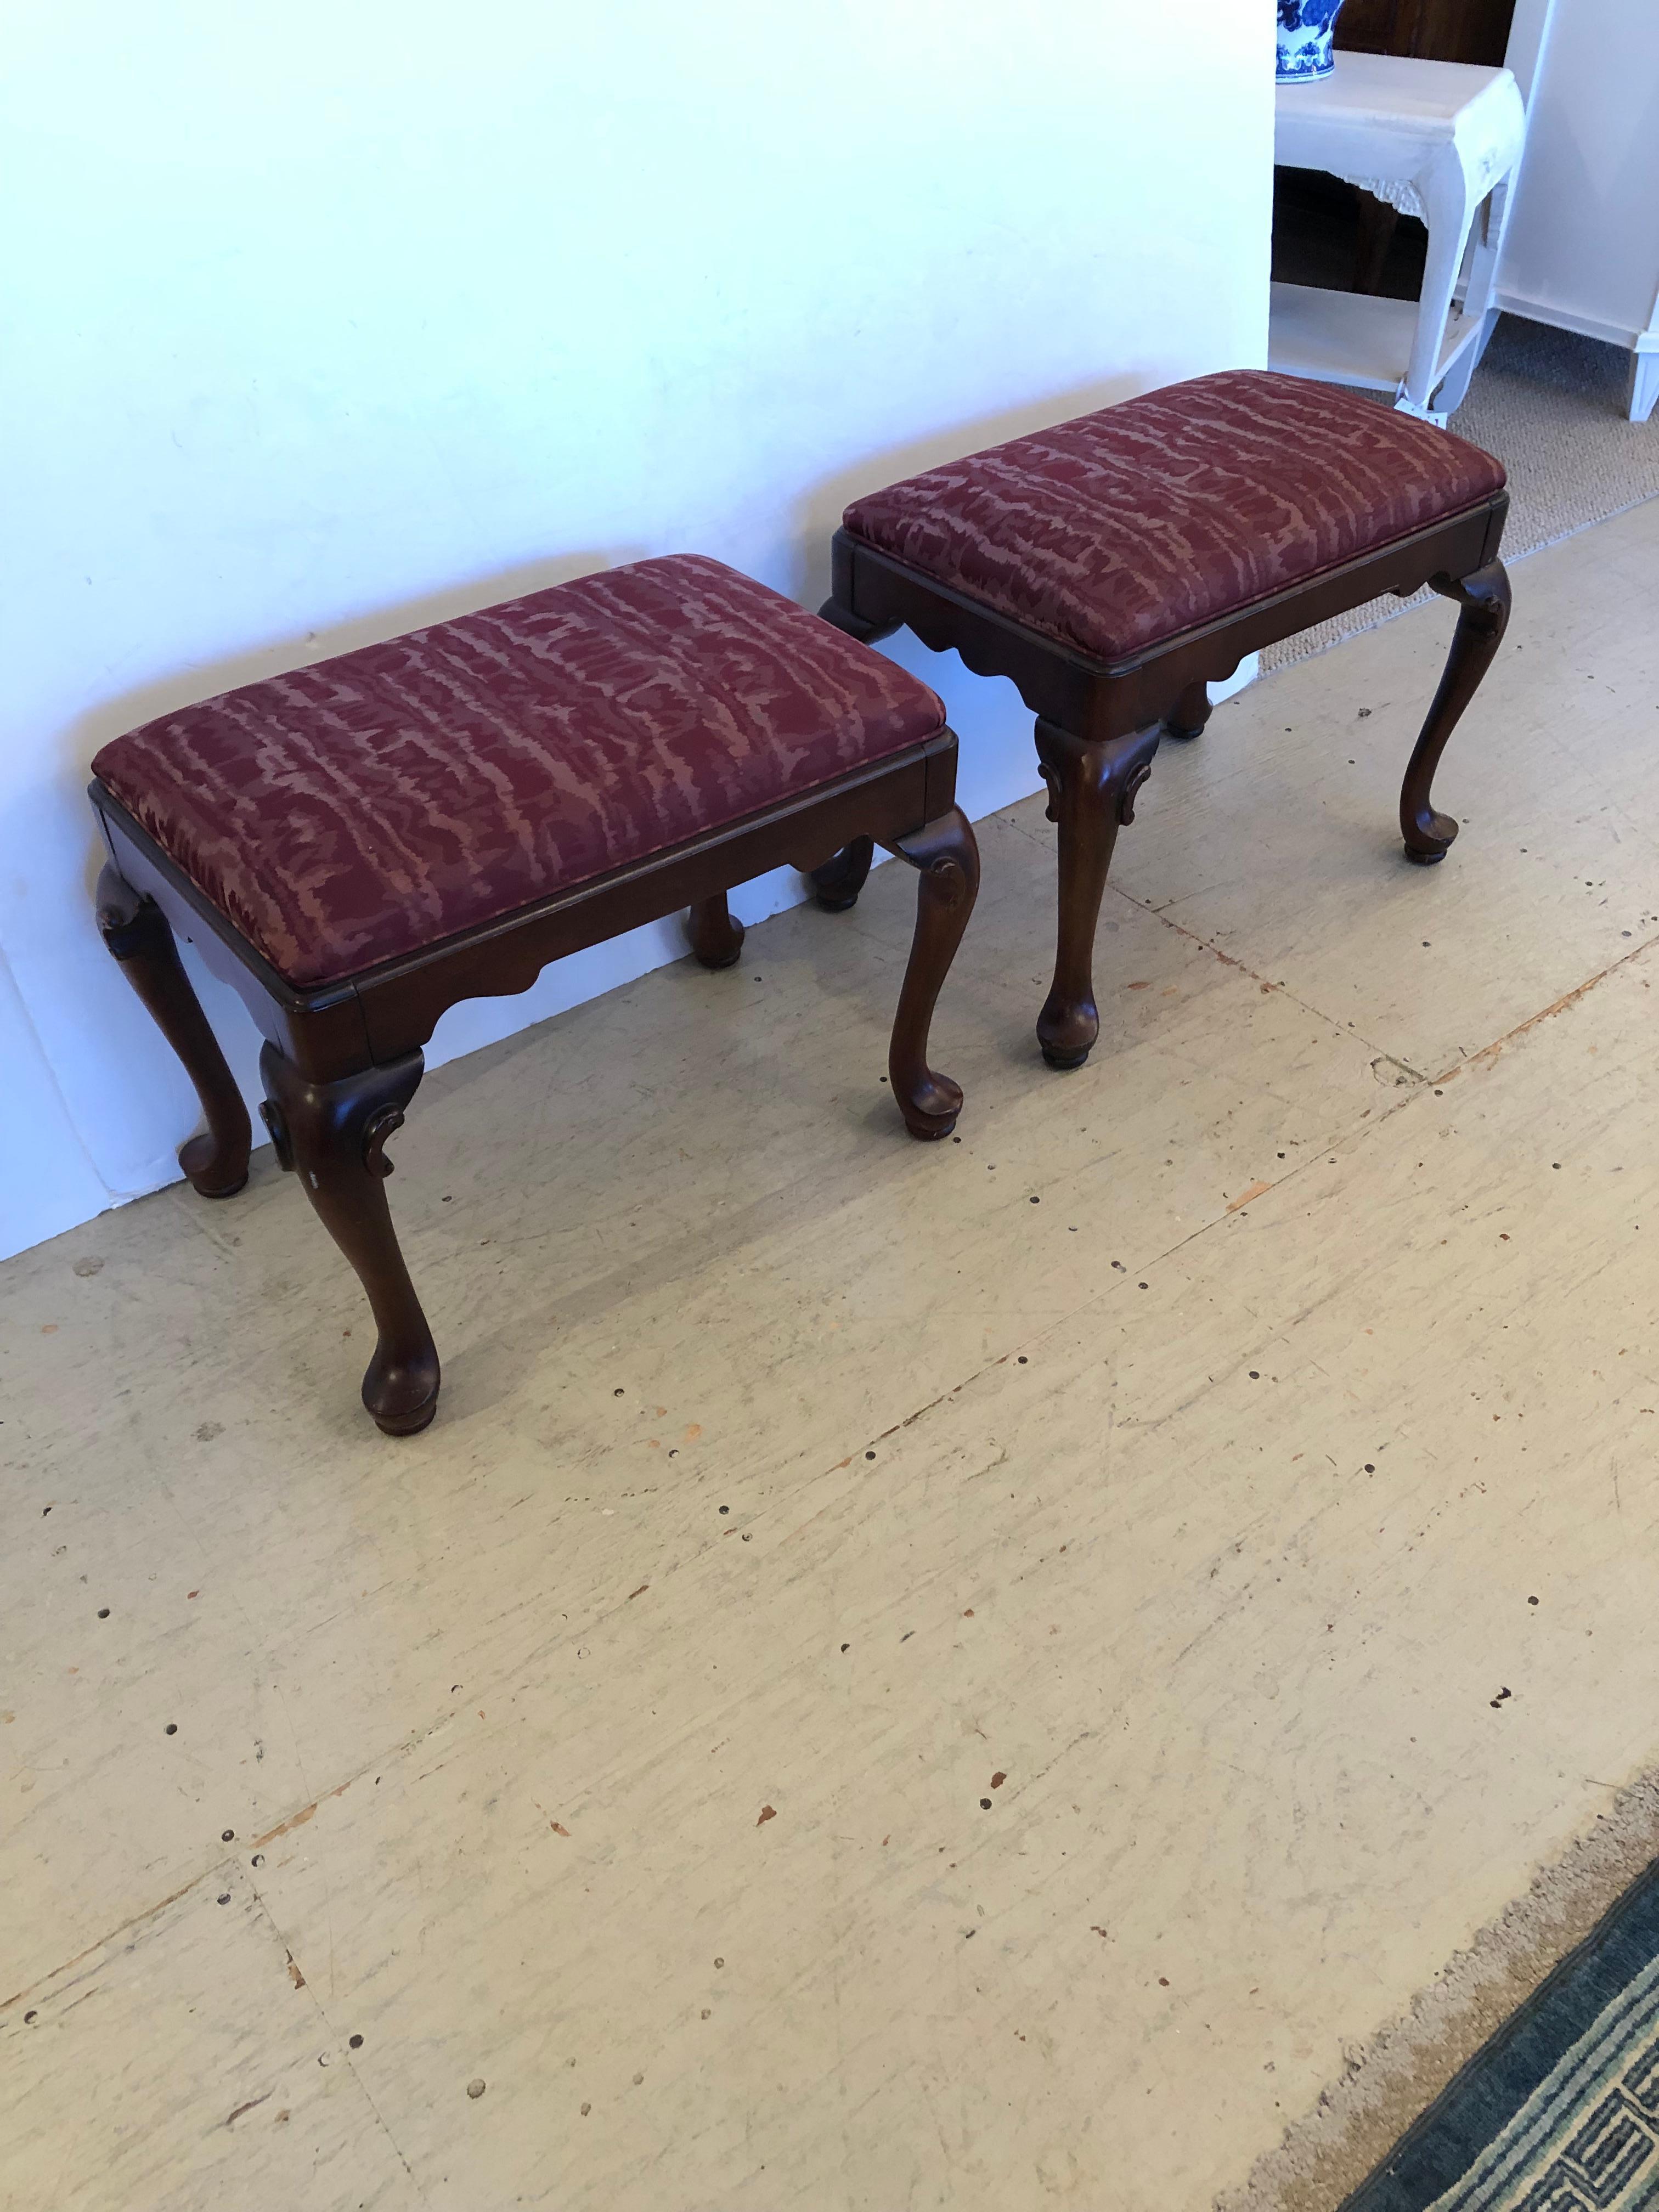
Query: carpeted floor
x=1552, y=407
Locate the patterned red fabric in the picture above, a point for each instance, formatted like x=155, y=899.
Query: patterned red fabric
x=373, y=804
x=1113, y=532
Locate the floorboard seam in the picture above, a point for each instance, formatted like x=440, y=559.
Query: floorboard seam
x=1489, y=1054
x=1266, y=982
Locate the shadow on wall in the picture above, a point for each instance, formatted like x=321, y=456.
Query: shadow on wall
x=806, y=563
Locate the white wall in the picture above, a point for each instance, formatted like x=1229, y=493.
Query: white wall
x=332, y=319
x=1581, y=247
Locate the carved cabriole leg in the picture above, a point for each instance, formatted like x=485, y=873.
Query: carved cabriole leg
x=841, y=879
x=947, y=857
x=1484, y=599
x=1091, y=791
x=1190, y=713
x=715, y=934
x=135, y=931
x=332, y=1135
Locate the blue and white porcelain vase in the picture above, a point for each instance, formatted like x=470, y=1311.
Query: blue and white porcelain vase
x=1304, y=40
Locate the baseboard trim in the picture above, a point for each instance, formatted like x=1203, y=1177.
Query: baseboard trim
x=1586, y=327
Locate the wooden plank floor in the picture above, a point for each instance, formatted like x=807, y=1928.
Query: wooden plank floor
x=902, y=1677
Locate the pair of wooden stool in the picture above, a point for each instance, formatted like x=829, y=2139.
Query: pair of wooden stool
x=358, y=845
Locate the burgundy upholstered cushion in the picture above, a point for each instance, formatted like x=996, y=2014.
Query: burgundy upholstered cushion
x=373, y=804
x=1117, y=530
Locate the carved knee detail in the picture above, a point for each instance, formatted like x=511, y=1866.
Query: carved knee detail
x=333, y=1136
x=948, y=880
x=276, y=1130
x=377, y=1130
x=1093, y=788
x=1051, y=784
x=128, y=928
x=1140, y=774
x=1485, y=597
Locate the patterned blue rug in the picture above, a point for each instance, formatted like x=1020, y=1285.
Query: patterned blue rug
x=1559, y=2113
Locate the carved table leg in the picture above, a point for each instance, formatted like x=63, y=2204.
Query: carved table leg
x=1483, y=600
x=1190, y=713
x=1091, y=791
x=333, y=1136
x=841, y=879
x=947, y=857
x=714, y=932
x=135, y=931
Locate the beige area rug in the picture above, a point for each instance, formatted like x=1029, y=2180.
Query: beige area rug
x=1552, y=407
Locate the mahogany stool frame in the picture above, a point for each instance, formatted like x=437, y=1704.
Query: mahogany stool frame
x=1099, y=722
x=342, y=1060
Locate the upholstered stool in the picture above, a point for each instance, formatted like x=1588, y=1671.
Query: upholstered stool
x=357, y=845
x=1112, y=565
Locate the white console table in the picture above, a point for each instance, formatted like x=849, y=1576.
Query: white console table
x=1435, y=139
